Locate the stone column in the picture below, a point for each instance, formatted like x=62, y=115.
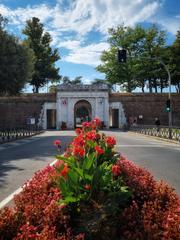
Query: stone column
x=106, y=112
x=58, y=113
x=70, y=114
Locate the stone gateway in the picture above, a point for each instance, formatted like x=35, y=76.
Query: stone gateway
x=77, y=103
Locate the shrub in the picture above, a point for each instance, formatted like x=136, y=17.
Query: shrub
x=150, y=211
x=154, y=212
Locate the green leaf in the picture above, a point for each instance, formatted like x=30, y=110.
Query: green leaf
x=71, y=199
x=88, y=177
x=63, y=186
x=79, y=171
x=88, y=161
x=124, y=189
x=73, y=176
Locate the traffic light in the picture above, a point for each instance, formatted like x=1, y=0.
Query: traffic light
x=122, y=56
x=168, y=105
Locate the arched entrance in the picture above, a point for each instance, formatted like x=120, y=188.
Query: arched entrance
x=82, y=112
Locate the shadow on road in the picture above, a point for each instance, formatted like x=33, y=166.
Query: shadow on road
x=35, y=154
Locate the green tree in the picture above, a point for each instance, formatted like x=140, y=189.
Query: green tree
x=122, y=74
x=16, y=62
x=66, y=80
x=45, y=57
x=76, y=81
x=175, y=62
x=141, y=45
x=153, y=47
x=103, y=81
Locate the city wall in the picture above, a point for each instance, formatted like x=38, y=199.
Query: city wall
x=149, y=106
x=14, y=111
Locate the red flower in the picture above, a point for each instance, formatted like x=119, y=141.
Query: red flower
x=116, y=170
x=65, y=170
x=57, y=143
x=86, y=124
x=79, y=141
x=99, y=150
x=91, y=135
x=87, y=187
x=97, y=121
x=79, y=151
x=110, y=141
x=78, y=131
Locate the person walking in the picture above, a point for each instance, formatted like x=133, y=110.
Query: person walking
x=157, y=123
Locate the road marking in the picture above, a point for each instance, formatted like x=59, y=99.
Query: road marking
x=139, y=145
x=148, y=146
x=51, y=164
x=4, y=202
x=8, y=199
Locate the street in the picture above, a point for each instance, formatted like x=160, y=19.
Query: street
x=21, y=159
x=161, y=158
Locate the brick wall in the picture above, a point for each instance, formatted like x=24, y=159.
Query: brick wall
x=14, y=111
x=150, y=105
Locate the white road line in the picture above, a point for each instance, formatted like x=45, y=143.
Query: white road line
x=4, y=202
x=148, y=146
x=139, y=145
x=51, y=164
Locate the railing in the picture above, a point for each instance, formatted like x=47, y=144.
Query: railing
x=7, y=135
x=158, y=131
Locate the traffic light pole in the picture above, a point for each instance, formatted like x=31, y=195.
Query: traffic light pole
x=122, y=58
x=169, y=94
x=170, y=111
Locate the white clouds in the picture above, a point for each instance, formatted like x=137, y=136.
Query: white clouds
x=70, y=44
x=89, y=55
x=82, y=16
x=20, y=15
x=170, y=24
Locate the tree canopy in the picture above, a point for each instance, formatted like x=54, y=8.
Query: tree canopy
x=175, y=62
x=144, y=48
x=45, y=57
x=16, y=62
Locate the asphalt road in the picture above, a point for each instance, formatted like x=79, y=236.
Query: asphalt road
x=159, y=157
x=21, y=159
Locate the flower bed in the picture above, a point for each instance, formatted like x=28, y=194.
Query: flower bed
x=92, y=193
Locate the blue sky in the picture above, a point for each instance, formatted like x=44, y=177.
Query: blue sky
x=79, y=27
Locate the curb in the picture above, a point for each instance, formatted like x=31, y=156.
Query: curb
x=8, y=199
x=157, y=138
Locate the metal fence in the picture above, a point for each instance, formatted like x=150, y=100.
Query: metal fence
x=160, y=131
x=7, y=135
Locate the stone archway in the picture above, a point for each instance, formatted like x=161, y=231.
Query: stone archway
x=82, y=112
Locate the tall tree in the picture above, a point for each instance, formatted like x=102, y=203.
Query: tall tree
x=141, y=45
x=76, y=81
x=16, y=62
x=45, y=57
x=175, y=61
x=153, y=47
x=122, y=74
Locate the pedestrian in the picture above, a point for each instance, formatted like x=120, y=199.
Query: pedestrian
x=157, y=123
